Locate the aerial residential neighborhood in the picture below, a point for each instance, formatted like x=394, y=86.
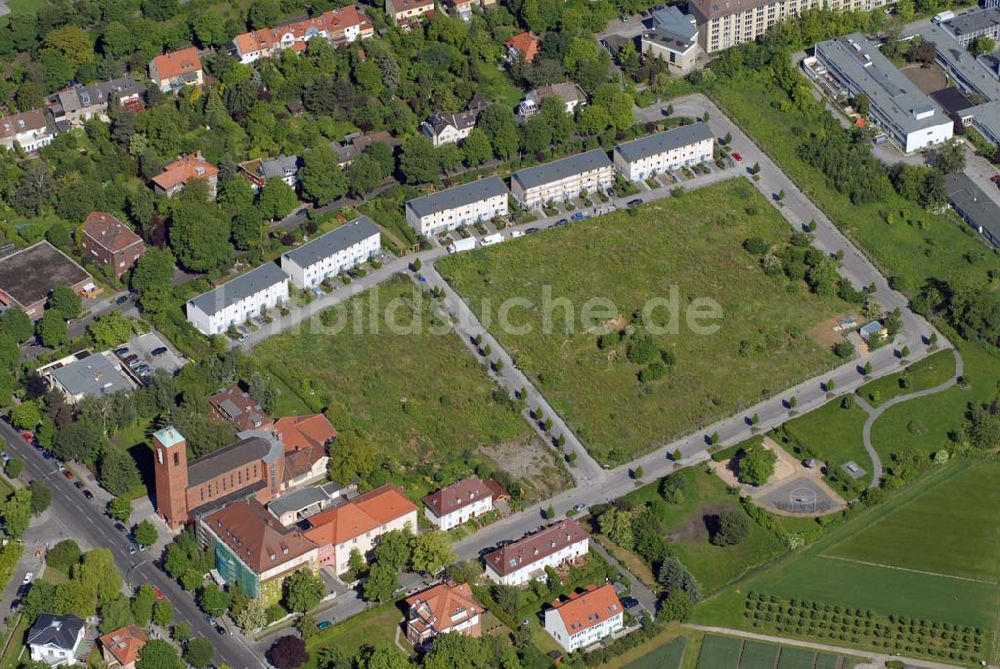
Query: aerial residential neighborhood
x=499, y=334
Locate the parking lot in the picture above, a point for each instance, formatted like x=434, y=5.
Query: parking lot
x=150, y=350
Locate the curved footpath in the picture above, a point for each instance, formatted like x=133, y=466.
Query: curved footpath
x=875, y=412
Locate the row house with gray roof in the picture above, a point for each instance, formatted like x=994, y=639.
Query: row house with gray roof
x=563, y=179
x=462, y=205
x=665, y=151
x=337, y=251
x=238, y=300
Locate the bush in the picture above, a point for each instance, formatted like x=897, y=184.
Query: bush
x=642, y=349
x=64, y=555
x=757, y=466
x=758, y=246
x=14, y=467
x=730, y=528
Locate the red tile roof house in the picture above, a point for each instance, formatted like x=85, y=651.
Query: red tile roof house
x=111, y=243
x=337, y=26
x=442, y=609
x=173, y=71
x=306, y=440
x=237, y=407
x=120, y=649
x=525, y=45
x=357, y=525
x=457, y=503
x=405, y=12
x=177, y=173
x=585, y=618
x=526, y=559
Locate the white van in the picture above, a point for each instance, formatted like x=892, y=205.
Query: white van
x=490, y=240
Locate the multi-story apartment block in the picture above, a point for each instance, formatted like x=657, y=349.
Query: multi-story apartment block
x=725, y=23
x=896, y=105
x=254, y=551
x=235, y=301
x=29, y=130
x=457, y=503
x=525, y=560
x=443, y=609
x=583, y=619
x=178, y=173
x=173, y=71
x=673, y=39
x=462, y=205
x=358, y=524
x=109, y=242
x=969, y=26
x=563, y=179
x=337, y=26
x=337, y=251
x=664, y=151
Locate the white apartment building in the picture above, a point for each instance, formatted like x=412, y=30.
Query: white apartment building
x=585, y=618
x=725, y=23
x=526, y=559
x=235, y=301
x=670, y=150
x=337, y=251
x=462, y=205
x=337, y=26
x=563, y=179
x=30, y=130
x=458, y=503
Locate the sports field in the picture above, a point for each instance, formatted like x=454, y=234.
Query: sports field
x=929, y=553
x=678, y=250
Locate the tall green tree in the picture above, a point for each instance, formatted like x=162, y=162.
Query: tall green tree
x=322, y=179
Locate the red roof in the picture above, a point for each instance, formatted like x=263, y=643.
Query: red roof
x=458, y=495
x=240, y=409
x=184, y=169
x=301, y=432
x=535, y=547
x=443, y=606
x=177, y=63
x=109, y=232
x=256, y=537
x=589, y=609
x=125, y=643
x=528, y=43
x=360, y=515
x=334, y=22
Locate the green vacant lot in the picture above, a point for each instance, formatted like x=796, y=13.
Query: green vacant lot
x=372, y=628
x=690, y=245
x=419, y=399
x=935, y=525
x=832, y=433
x=927, y=373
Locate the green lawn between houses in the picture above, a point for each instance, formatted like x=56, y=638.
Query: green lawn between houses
x=909, y=557
x=691, y=244
x=371, y=628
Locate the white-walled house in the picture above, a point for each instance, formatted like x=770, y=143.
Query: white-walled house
x=583, y=619
x=669, y=150
x=337, y=251
x=30, y=130
x=55, y=640
x=563, y=179
x=526, y=559
x=457, y=503
x=235, y=301
x=462, y=205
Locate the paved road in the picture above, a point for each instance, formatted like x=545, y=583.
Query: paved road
x=84, y=521
x=877, y=659
x=644, y=595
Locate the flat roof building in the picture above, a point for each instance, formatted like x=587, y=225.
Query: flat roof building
x=974, y=206
x=673, y=39
x=28, y=276
x=969, y=26
x=896, y=105
x=337, y=251
x=669, y=150
x=462, y=205
x=235, y=301
x=87, y=374
x=563, y=179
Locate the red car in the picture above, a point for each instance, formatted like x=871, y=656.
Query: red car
x=158, y=594
x=736, y=156
x=68, y=474
x=28, y=437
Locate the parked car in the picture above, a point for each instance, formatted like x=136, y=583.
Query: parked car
x=121, y=350
x=531, y=231
x=130, y=547
x=129, y=359
x=120, y=527
x=635, y=203
x=48, y=455
x=220, y=629
x=159, y=350
x=562, y=221
x=143, y=369
x=996, y=179
x=324, y=625
x=27, y=436
x=158, y=594
x=578, y=216
x=68, y=474
x=88, y=494
x=579, y=507
x=122, y=299
x=27, y=578
x=78, y=485
x=630, y=602
x=4, y=456
x=737, y=156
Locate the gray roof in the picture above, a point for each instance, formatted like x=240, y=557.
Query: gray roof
x=332, y=242
x=972, y=203
x=300, y=499
x=672, y=22
x=457, y=196
x=664, y=141
x=78, y=96
x=252, y=445
x=858, y=59
x=280, y=167
x=94, y=375
x=561, y=169
x=975, y=21
x=240, y=288
x=58, y=631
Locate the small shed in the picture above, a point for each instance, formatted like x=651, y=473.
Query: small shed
x=873, y=331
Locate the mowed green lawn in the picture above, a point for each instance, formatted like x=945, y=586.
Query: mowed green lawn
x=417, y=397
x=833, y=434
x=833, y=570
x=376, y=627
x=692, y=244
x=951, y=529
x=929, y=372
